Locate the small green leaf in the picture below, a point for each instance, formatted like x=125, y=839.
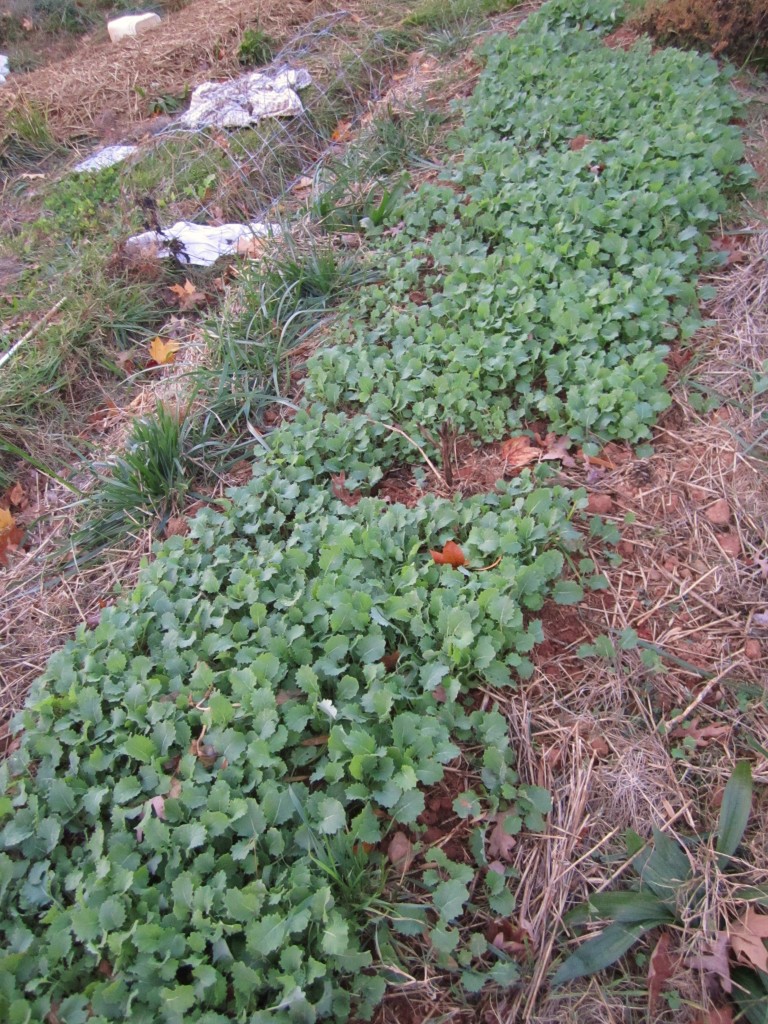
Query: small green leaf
x=141, y=748
x=449, y=899
x=333, y=816
x=568, y=592
x=624, y=907
x=663, y=867
x=336, y=935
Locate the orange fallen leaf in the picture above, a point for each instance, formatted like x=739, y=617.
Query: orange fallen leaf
x=11, y=535
x=18, y=496
x=187, y=295
x=341, y=132
x=518, y=452
x=251, y=245
x=450, y=555
x=747, y=939
x=163, y=352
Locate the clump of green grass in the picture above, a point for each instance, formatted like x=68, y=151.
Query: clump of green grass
x=142, y=486
x=25, y=139
x=256, y=48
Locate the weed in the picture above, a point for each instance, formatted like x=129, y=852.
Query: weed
x=442, y=15
x=162, y=103
x=673, y=889
x=26, y=138
x=256, y=48
x=142, y=486
x=75, y=205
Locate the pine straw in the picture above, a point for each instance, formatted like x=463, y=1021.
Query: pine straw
x=100, y=82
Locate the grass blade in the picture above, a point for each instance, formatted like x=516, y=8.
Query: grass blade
x=602, y=951
x=624, y=907
x=735, y=811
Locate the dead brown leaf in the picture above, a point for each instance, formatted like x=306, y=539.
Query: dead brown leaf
x=177, y=526
x=702, y=735
x=557, y=448
x=11, y=536
x=342, y=492
x=400, y=851
x=252, y=246
x=748, y=939
x=719, y=513
x=17, y=496
x=661, y=967
x=714, y=960
x=518, y=452
x=752, y=650
x=600, y=504
x=500, y=842
x=717, y=1015
x=187, y=296
x=730, y=544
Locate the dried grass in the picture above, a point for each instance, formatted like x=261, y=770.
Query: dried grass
x=97, y=86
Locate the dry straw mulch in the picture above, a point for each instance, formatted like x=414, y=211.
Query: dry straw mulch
x=99, y=88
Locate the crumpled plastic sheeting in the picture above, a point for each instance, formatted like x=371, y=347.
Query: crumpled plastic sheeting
x=4, y=68
x=105, y=158
x=199, y=244
x=246, y=100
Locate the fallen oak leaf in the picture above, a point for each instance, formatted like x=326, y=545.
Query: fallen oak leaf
x=501, y=842
x=450, y=555
x=714, y=960
x=163, y=352
x=747, y=939
x=557, y=448
x=701, y=735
